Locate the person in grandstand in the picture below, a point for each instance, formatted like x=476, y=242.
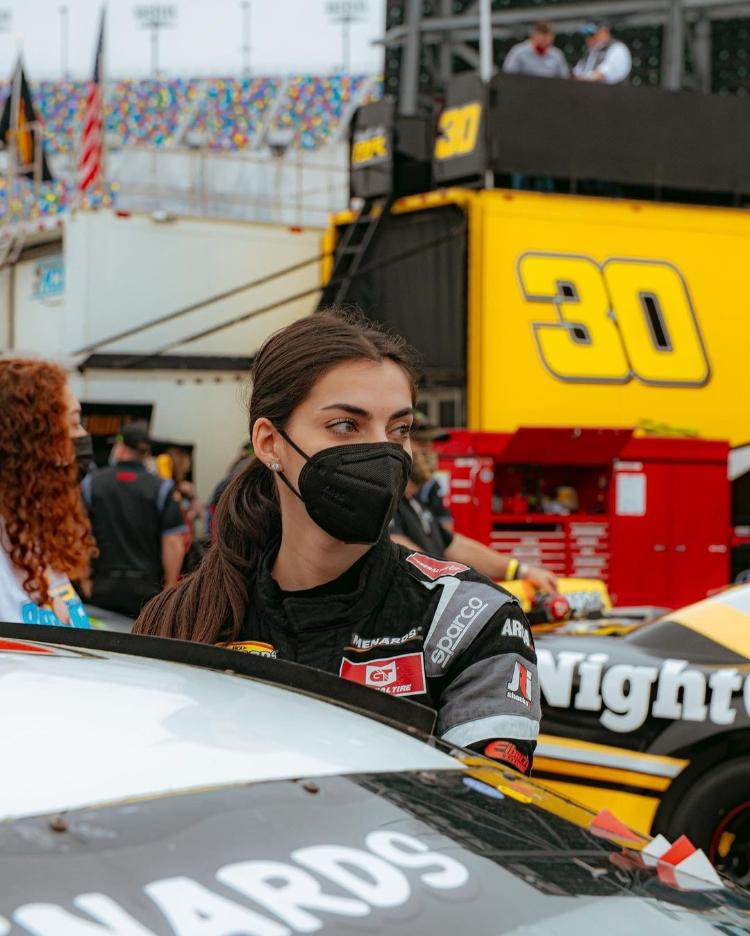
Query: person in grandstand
x=303, y=568
x=606, y=59
x=138, y=525
x=45, y=536
x=415, y=526
x=538, y=55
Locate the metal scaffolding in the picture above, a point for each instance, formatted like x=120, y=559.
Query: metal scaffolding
x=449, y=37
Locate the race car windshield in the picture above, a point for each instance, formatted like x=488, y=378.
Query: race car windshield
x=403, y=853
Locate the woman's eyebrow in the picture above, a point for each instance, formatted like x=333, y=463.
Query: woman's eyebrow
x=364, y=414
x=348, y=408
x=408, y=411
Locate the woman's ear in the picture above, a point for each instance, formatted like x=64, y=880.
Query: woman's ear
x=265, y=442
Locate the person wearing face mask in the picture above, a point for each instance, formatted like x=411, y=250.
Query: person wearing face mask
x=417, y=525
x=303, y=568
x=45, y=536
x=538, y=55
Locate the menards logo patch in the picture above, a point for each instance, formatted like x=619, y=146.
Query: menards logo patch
x=623, y=693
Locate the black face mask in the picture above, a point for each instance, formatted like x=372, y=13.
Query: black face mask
x=84, y=454
x=352, y=491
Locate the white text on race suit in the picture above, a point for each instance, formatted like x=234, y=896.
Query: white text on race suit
x=448, y=643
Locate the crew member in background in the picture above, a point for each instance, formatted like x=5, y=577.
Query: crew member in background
x=415, y=527
x=538, y=55
x=430, y=495
x=241, y=462
x=606, y=59
x=137, y=524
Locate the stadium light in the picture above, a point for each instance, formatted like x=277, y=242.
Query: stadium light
x=346, y=12
x=63, y=10
x=245, y=5
x=156, y=16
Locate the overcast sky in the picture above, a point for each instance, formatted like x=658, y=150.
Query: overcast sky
x=286, y=35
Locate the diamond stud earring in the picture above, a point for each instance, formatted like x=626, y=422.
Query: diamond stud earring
x=275, y=466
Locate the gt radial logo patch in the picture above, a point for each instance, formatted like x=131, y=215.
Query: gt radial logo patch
x=519, y=686
x=378, y=676
x=402, y=675
x=435, y=568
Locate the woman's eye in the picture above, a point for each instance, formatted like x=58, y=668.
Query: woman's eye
x=403, y=432
x=343, y=426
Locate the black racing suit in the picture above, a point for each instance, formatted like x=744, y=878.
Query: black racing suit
x=430, y=630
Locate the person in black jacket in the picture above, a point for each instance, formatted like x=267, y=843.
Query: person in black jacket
x=303, y=568
x=138, y=526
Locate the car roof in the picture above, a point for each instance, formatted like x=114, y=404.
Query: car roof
x=95, y=726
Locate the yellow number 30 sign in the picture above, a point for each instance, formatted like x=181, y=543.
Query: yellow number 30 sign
x=622, y=320
x=457, y=131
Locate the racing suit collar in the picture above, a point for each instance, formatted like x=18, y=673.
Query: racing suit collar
x=326, y=611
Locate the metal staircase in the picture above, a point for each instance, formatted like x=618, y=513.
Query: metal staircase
x=352, y=248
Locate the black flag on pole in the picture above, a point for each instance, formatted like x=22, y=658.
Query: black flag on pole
x=15, y=125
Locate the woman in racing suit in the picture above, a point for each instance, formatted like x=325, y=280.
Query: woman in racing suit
x=303, y=567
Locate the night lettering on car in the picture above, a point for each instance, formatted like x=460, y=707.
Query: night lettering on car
x=288, y=896
x=623, y=692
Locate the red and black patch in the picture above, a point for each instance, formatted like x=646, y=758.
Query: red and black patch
x=508, y=752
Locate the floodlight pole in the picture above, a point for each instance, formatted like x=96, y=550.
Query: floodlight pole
x=245, y=5
x=155, y=18
x=346, y=12
x=63, y=10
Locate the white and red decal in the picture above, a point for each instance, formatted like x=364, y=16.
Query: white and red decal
x=401, y=675
x=519, y=687
x=435, y=568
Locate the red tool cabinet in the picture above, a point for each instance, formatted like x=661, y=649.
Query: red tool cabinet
x=652, y=517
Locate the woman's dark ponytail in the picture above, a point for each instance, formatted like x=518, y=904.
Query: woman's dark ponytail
x=210, y=604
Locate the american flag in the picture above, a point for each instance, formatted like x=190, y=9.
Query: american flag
x=91, y=163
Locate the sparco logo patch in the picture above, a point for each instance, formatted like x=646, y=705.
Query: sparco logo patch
x=519, y=686
x=402, y=675
x=455, y=631
x=627, y=693
x=435, y=568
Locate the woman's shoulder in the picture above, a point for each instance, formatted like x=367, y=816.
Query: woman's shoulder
x=431, y=573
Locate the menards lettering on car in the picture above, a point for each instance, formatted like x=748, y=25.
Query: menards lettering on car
x=289, y=894
x=622, y=693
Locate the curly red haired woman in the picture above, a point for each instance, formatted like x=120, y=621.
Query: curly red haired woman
x=45, y=537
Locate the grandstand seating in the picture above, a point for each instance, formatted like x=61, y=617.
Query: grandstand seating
x=225, y=112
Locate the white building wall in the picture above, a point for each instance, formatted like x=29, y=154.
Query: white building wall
x=207, y=410
x=126, y=271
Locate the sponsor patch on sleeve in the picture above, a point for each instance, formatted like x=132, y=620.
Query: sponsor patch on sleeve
x=252, y=646
x=508, y=752
x=435, y=568
x=401, y=675
x=520, y=686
